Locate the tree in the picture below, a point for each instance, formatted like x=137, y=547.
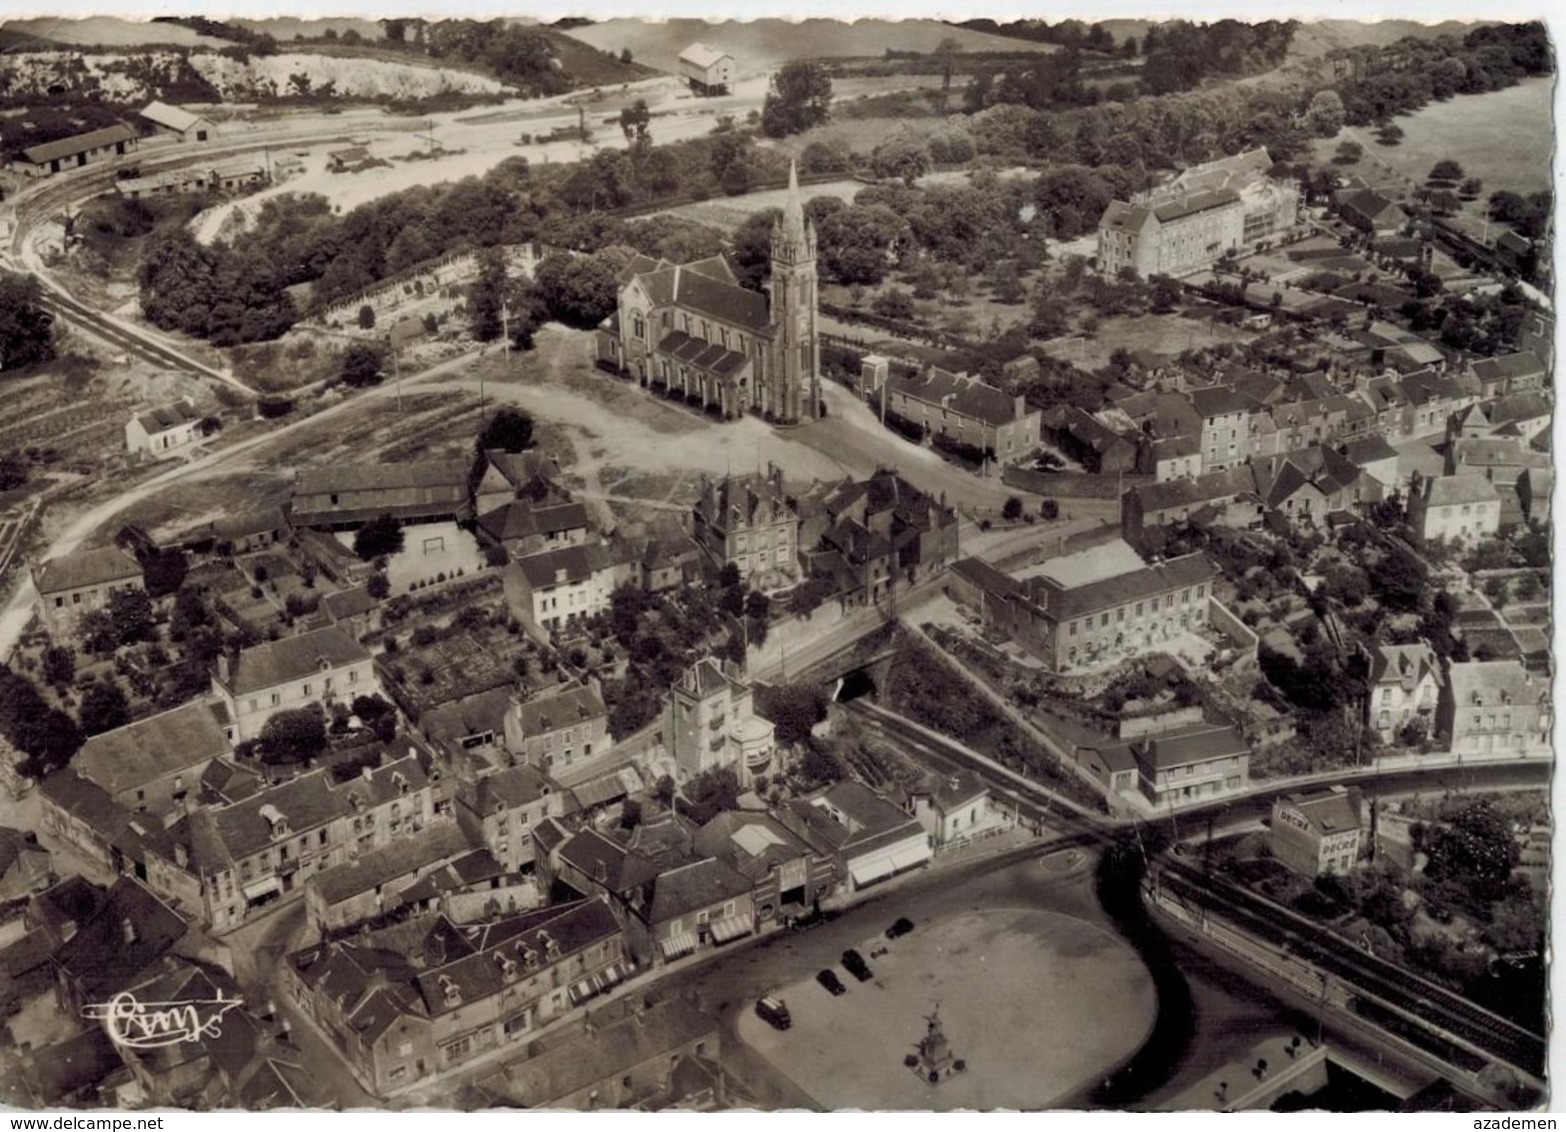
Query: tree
x=1348, y=153
x=13, y=471
x=104, y=707
x=1012, y=511
x=634, y=121
x=800, y=97
x=580, y=291
x=1475, y=850
x=163, y=571
x=130, y=609
x=366, y=317
x=1326, y=114
x=894, y=302
x=59, y=665
x=486, y=296
x=508, y=429
x=379, y=586
x=625, y=56
x=1446, y=170
x=793, y=709
x=713, y=791
x=381, y=537
x=1471, y=188
x=1398, y=579
x=362, y=365
x=903, y=154
x=27, y=336
x=294, y=735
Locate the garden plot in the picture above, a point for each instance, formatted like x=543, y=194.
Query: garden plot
x=460, y=665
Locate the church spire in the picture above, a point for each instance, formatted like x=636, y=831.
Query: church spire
x=793, y=210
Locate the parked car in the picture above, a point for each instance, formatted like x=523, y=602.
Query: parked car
x=829, y=979
x=856, y=966
x=901, y=928
x=774, y=1011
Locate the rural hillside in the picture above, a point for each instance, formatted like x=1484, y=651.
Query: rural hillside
x=759, y=44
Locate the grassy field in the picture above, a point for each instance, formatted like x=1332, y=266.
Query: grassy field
x=759, y=44
x=1501, y=137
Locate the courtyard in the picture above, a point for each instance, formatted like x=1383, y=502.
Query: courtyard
x=1037, y=1005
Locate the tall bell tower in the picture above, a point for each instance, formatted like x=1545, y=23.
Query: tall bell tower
x=794, y=377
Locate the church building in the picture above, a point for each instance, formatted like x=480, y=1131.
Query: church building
x=690, y=330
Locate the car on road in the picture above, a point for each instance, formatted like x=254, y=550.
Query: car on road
x=774, y=1012
x=901, y=928
x=856, y=966
x=829, y=979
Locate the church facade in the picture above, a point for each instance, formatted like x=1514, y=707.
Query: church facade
x=691, y=331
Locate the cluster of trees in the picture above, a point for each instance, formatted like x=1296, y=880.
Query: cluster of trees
x=798, y=98
x=381, y=537
x=218, y=293
x=127, y=619
x=45, y=735
x=27, y=331
x=1529, y=215
x=1379, y=84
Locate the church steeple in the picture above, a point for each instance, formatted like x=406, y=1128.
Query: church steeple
x=794, y=367
x=793, y=209
x=794, y=237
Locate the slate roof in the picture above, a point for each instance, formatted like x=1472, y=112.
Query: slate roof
x=871, y=818
x=605, y=861
x=699, y=292
x=578, y=563
x=83, y=568
x=1328, y=811
x=522, y=518
x=1185, y=746
x=446, y=476
x=401, y=858
x=292, y=658
x=690, y=888
x=138, y=753
x=100, y=959
x=1486, y=683
x=1207, y=488
x=1525, y=406
x=996, y=583
x=70, y=901
x=84, y=800
x=1366, y=204
x=165, y=417
x=80, y=143
x=452, y=722
x=1508, y=367
x=1405, y=665
x=242, y=524
x=510, y=789
x=566, y=706
x=1217, y=401
x=1495, y=452
x=1450, y=491
x=740, y=501
x=753, y=844
x=1369, y=450
x=1063, y=604
x=1173, y=210
x=958, y=392
x=354, y=602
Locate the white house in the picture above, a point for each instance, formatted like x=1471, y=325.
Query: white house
x=708, y=70
x=955, y=809
x=163, y=432
x=313, y=668
x=550, y=591
x=1404, y=686
x=79, y=582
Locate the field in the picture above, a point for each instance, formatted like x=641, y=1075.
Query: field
x=760, y=44
x=1501, y=137
x=1037, y=1005
x=110, y=31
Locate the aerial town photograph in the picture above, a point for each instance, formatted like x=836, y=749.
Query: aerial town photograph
x=927, y=565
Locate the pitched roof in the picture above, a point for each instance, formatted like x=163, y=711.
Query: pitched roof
x=1508, y=367
x=1198, y=743
x=80, y=143
x=85, y=800
x=165, y=417
x=565, y=706
x=1218, y=401
x=436, y=475
x=471, y=715
x=1369, y=450
x=1405, y=665
x=743, y=500
x=701, y=55
x=996, y=583
x=1449, y=491
x=349, y=603
x=401, y=858
x=567, y=566
x=1328, y=811
x=291, y=658
x=959, y=392
x=1525, y=406
x=138, y=753
x=83, y=568
x=129, y=931
x=1203, y=489
x=510, y=788
x=1064, y=603
x=1495, y=452
x=692, y=887
x=1477, y=683
x=1194, y=203
x=605, y=861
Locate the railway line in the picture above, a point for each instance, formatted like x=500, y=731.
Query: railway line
x=1424, y=1013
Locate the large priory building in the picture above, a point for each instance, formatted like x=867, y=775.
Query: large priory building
x=693, y=329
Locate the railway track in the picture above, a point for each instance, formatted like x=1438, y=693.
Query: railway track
x=1425, y=1013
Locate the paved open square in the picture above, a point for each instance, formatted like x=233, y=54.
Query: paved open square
x=1035, y=1003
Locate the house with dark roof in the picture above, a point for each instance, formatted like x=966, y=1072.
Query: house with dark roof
x=1176, y=234
x=409, y=1003
x=867, y=837
x=318, y=667
x=129, y=931
x=1494, y=708
x=1369, y=211
x=225, y=864
x=1310, y=484
x=558, y=728
x=1225, y=415
x=1499, y=459
x=84, y=816
x=955, y=808
x=74, y=152
x=354, y=610
x=500, y=809
x=1087, y=440
x=165, y=431
x=1376, y=458
x=1510, y=373
x=154, y=762
x=339, y=496
x=524, y=528
x=471, y=725
x=517, y=475
x=366, y=888
x=954, y=409
x=1404, y=685
x=70, y=585
x=1317, y=832
x=1189, y=764
x=1524, y=415
x=1226, y=498
x=1432, y=399
x=875, y=536
x=710, y=722
x=26, y=867
x=552, y=591
x=748, y=521
x=1459, y=509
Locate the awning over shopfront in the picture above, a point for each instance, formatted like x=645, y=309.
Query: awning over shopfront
x=616, y=973
x=908, y=858
x=262, y=889
x=677, y=945
x=731, y=928
x=871, y=870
